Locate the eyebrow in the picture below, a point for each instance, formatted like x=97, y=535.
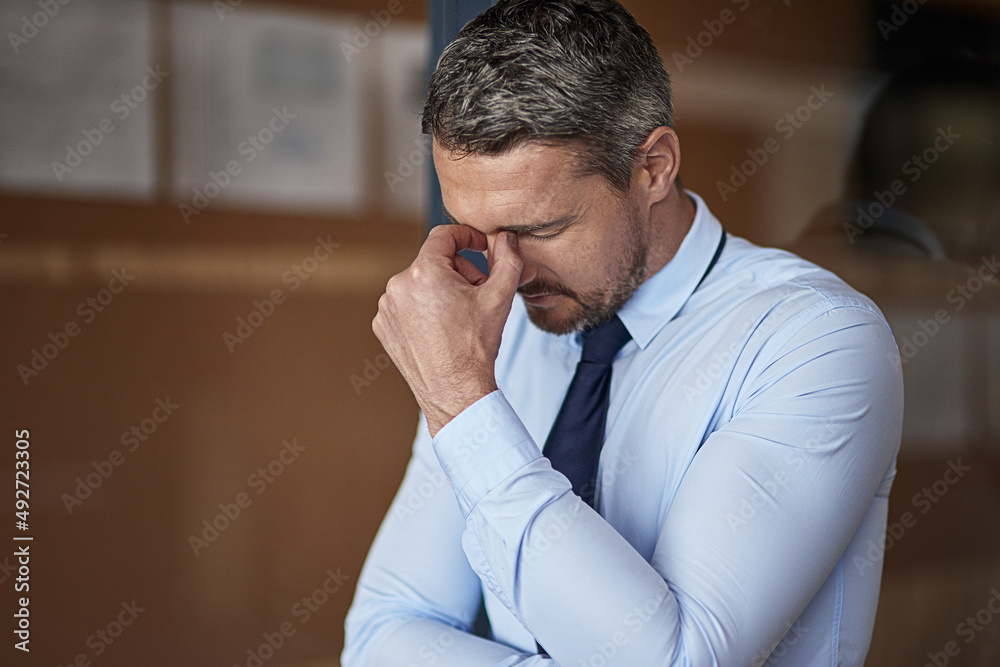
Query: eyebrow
x=537, y=227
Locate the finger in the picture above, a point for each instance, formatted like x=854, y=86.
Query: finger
x=469, y=271
x=378, y=322
x=505, y=264
x=447, y=240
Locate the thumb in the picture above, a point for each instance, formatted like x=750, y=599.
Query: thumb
x=505, y=264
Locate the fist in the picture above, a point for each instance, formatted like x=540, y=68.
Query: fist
x=441, y=319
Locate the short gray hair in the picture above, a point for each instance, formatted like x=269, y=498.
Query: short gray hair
x=580, y=73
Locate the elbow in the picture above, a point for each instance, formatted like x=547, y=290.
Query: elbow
x=353, y=640
x=363, y=622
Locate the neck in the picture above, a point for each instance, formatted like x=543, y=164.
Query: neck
x=670, y=219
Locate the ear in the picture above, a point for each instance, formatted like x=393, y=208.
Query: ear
x=659, y=163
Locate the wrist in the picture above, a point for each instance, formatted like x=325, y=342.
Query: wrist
x=440, y=412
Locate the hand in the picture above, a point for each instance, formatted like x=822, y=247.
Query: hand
x=441, y=319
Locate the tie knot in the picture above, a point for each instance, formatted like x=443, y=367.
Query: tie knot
x=603, y=342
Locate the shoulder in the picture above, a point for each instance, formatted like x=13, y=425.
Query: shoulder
x=778, y=318
x=789, y=292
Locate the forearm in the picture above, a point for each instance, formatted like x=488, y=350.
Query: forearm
x=416, y=593
x=557, y=565
x=573, y=581
x=416, y=641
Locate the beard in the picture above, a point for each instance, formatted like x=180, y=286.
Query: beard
x=596, y=306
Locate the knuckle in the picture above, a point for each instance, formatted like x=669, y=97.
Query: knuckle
x=418, y=272
x=391, y=288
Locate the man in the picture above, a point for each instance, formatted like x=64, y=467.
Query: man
x=754, y=408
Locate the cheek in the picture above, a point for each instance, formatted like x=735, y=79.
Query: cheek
x=580, y=262
x=535, y=256
x=563, y=263
x=554, y=257
x=591, y=260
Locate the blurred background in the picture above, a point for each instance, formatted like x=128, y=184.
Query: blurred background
x=200, y=203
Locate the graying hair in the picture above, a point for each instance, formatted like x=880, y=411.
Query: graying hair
x=578, y=73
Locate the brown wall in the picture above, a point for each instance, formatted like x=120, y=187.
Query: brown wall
x=162, y=338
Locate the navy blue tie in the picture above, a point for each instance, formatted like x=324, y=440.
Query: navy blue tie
x=574, y=443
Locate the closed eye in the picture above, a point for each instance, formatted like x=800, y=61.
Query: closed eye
x=545, y=237
x=550, y=230
x=539, y=232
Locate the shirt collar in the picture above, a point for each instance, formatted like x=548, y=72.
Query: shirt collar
x=661, y=297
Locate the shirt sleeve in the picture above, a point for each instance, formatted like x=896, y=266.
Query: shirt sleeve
x=416, y=596
x=822, y=414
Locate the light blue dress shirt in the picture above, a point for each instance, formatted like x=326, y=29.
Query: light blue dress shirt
x=742, y=497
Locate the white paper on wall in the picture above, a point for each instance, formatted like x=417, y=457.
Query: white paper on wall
x=267, y=111
x=405, y=48
x=77, y=98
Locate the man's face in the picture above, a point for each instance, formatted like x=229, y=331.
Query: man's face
x=584, y=248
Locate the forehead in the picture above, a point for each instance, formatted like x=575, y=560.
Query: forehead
x=527, y=185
